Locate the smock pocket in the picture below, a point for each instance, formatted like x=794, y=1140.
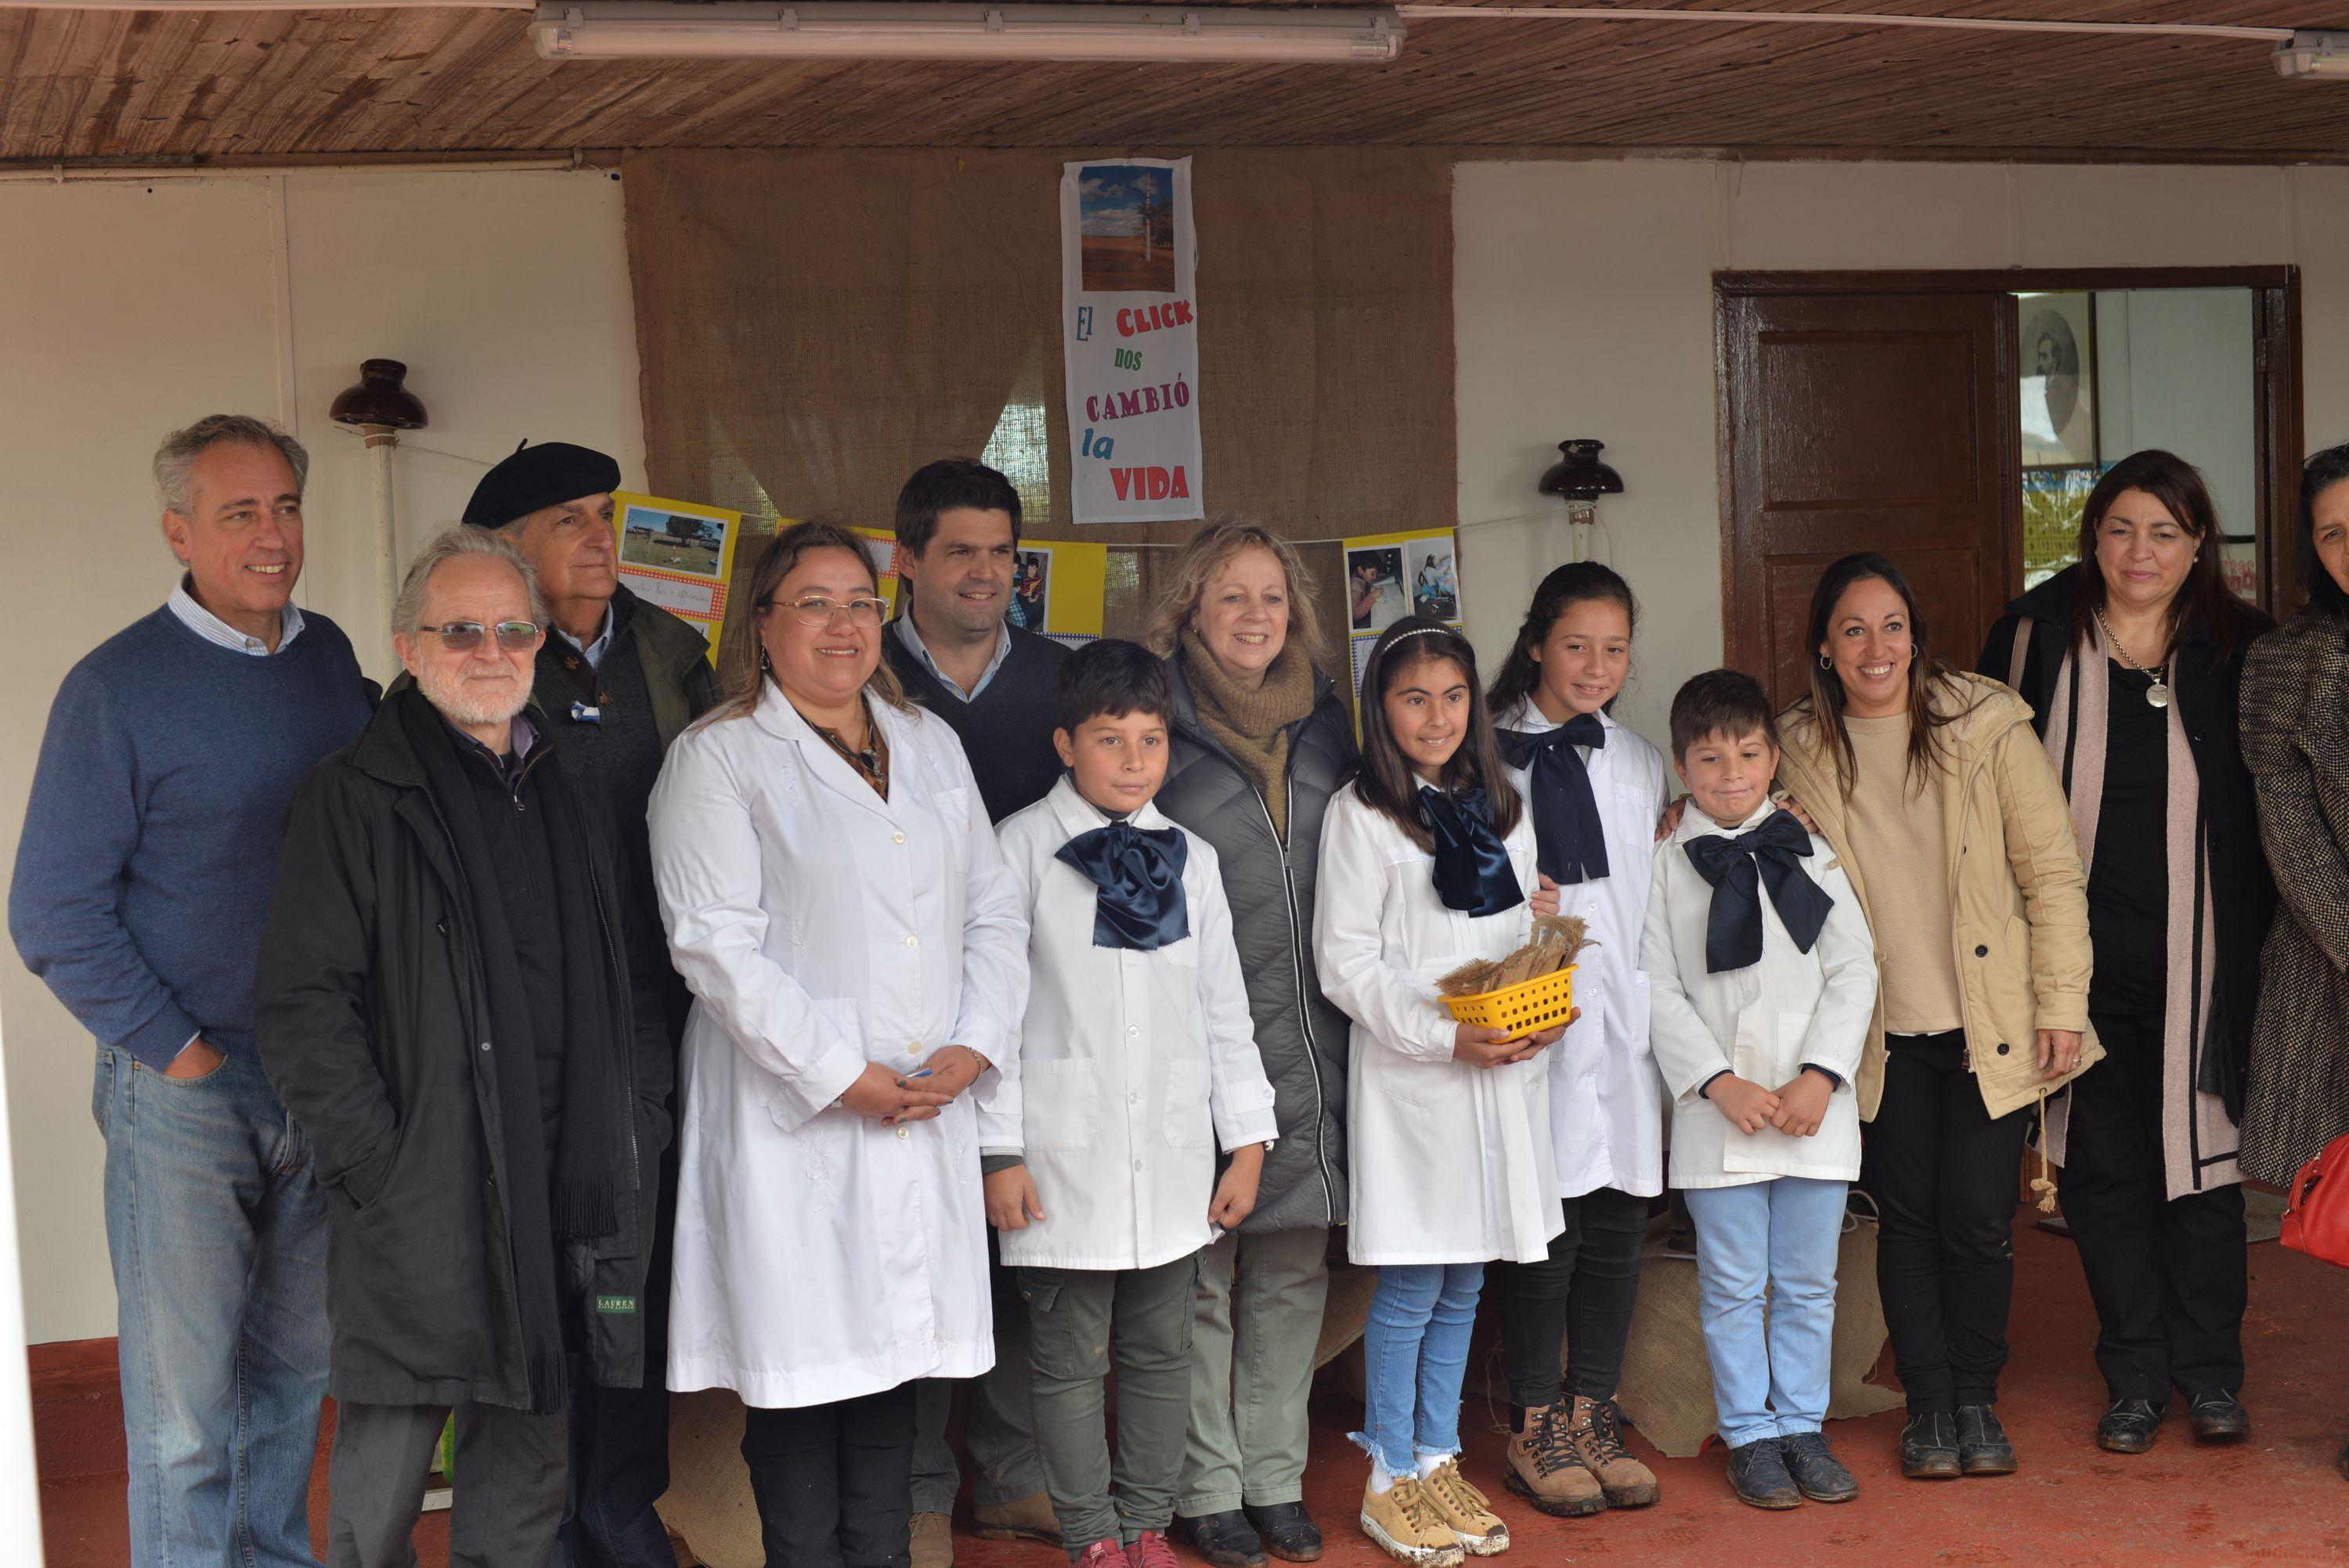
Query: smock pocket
x=1058, y=1105
x=1185, y=1115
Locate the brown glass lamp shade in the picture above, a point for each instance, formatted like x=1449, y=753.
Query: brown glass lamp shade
x=379, y=398
x=1578, y=475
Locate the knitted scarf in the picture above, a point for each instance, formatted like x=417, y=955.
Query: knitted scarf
x=1253, y=726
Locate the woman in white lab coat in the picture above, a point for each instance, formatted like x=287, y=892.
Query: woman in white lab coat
x=1594, y=789
x=857, y=955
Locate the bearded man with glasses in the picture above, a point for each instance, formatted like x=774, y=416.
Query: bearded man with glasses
x=452, y=1004
x=618, y=679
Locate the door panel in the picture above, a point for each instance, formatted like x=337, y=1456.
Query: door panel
x=1863, y=421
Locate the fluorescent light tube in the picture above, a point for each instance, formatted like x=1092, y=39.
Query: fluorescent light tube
x=830, y=29
x=2313, y=54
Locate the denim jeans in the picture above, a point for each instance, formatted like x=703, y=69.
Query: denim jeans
x=1414, y=1357
x=217, y=1233
x=1780, y=1236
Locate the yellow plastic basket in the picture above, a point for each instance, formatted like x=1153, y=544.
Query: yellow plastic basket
x=1541, y=1003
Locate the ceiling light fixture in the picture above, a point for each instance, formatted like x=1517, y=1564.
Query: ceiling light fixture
x=2309, y=54
x=837, y=30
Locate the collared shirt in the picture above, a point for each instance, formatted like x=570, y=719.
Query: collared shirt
x=913, y=640
x=510, y=767
x=212, y=629
x=592, y=652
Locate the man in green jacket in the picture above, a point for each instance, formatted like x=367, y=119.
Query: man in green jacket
x=619, y=678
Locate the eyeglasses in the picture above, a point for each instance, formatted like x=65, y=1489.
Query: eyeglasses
x=464, y=636
x=818, y=611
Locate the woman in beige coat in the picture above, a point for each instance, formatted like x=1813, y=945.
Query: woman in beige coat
x=1941, y=807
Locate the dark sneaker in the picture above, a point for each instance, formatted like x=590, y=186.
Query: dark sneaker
x=1757, y=1473
x=2129, y=1427
x=1929, y=1447
x=1288, y=1531
x=2218, y=1417
x=1223, y=1539
x=1817, y=1474
x=1983, y=1445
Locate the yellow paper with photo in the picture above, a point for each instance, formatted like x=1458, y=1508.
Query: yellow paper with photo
x=680, y=555
x=1058, y=588
x=1390, y=575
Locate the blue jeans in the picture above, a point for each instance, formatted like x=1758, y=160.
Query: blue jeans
x=1414, y=1355
x=1769, y=1367
x=218, y=1236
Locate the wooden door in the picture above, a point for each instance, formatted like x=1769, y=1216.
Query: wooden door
x=1858, y=420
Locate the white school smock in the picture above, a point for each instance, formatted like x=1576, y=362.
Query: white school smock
x=1449, y=1163
x=1606, y=1101
x=1131, y=1066
x=1764, y=1022
x=821, y=1255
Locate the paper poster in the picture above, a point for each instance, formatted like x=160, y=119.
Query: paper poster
x=1058, y=588
x=1390, y=575
x=1128, y=256
x=680, y=555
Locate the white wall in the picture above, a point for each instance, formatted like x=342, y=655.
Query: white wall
x=2174, y=369
x=1583, y=306
x=129, y=309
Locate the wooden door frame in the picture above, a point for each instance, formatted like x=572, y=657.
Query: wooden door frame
x=2278, y=431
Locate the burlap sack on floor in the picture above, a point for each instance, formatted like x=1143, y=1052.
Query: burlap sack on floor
x=708, y=1499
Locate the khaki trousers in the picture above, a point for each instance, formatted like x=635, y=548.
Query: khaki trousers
x=1258, y=1317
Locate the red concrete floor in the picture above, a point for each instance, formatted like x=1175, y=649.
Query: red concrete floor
x=2274, y=1500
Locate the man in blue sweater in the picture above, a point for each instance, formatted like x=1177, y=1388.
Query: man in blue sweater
x=148, y=852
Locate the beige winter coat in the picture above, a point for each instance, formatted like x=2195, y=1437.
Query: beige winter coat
x=2020, y=897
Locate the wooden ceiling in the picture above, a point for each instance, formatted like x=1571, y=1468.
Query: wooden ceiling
x=235, y=86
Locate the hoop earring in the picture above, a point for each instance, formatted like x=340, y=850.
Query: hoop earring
x=1825, y=663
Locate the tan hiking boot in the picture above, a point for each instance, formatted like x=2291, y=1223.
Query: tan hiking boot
x=1469, y=1512
x=1028, y=1518
x=1403, y=1521
x=932, y=1540
x=1595, y=1430
x=1547, y=1470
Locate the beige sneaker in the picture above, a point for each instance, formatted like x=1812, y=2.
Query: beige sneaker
x=932, y=1540
x=1469, y=1512
x=1028, y=1518
x=1596, y=1431
x=1403, y=1521
x=1547, y=1469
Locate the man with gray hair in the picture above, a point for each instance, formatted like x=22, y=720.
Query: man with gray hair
x=450, y=1001
x=150, y=844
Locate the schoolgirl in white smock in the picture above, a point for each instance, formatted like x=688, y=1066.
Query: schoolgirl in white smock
x=821, y=1255
x=1606, y=1099
x=1450, y=1163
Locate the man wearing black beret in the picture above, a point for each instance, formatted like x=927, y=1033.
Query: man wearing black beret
x=618, y=679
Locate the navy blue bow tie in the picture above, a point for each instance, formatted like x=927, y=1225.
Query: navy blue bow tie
x=1733, y=927
x=1473, y=873
x=1571, y=840
x=1139, y=873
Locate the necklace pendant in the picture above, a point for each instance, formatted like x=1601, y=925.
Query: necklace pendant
x=2157, y=694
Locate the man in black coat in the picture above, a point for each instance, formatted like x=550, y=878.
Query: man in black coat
x=618, y=679
x=457, y=1016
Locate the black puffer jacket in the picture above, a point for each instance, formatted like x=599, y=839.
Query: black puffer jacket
x=371, y=1011
x=1302, y=1037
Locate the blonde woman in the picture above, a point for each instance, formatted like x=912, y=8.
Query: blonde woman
x=1259, y=740
x=858, y=959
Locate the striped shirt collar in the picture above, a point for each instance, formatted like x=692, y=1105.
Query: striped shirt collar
x=212, y=629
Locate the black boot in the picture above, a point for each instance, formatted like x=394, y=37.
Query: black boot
x=1929, y=1447
x=1290, y=1532
x=1223, y=1539
x=1983, y=1447
x=1816, y=1471
x=2129, y=1427
x=1757, y=1473
x=2218, y=1417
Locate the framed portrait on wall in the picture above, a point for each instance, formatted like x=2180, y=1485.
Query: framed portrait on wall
x=2058, y=353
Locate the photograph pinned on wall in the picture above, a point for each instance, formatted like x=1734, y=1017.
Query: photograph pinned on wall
x=2059, y=379
x=1374, y=587
x=1126, y=216
x=673, y=542
x=1031, y=578
x=1434, y=579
